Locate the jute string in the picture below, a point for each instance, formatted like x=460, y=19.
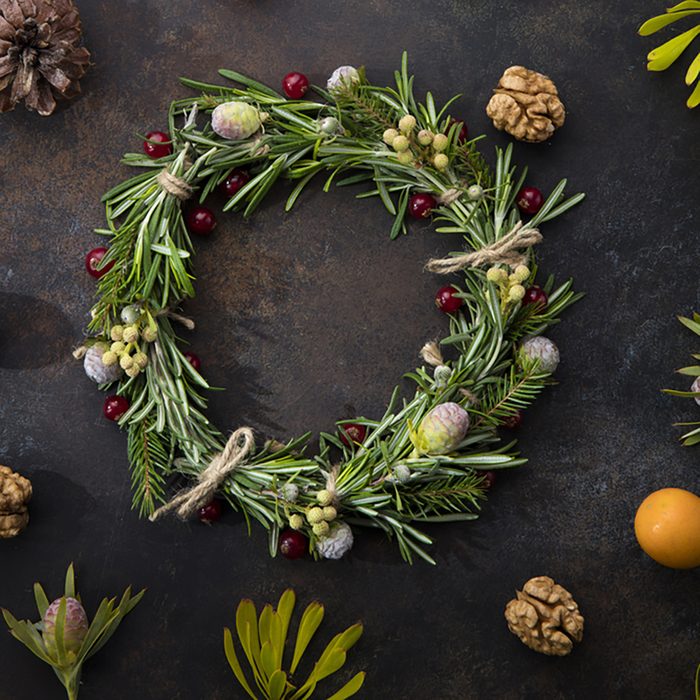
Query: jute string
x=507, y=250
x=449, y=196
x=232, y=457
x=174, y=185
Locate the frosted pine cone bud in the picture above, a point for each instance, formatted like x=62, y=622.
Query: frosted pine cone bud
x=543, y=350
x=75, y=627
x=400, y=473
x=442, y=429
x=290, y=493
x=337, y=543
x=342, y=78
x=442, y=374
x=235, y=120
x=696, y=387
x=96, y=369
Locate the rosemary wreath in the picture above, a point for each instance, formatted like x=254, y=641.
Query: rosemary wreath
x=424, y=460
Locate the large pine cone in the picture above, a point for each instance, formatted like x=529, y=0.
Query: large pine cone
x=40, y=54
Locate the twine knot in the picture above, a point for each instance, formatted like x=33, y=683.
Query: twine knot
x=232, y=457
x=449, y=196
x=175, y=186
x=508, y=250
x=183, y=320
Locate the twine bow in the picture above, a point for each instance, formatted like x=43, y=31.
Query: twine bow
x=232, y=457
x=507, y=250
x=174, y=185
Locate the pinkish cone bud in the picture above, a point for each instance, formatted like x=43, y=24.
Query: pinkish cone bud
x=442, y=429
x=74, y=630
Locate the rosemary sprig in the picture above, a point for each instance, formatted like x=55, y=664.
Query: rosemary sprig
x=153, y=255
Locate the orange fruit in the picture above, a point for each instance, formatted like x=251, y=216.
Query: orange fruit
x=667, y=526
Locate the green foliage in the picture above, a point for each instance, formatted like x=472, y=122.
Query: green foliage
x=667, y=53
x=167, y=426
x=692, y=437
x=263, y=642
x=68, y=666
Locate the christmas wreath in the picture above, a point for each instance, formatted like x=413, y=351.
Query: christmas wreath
x=430, y=457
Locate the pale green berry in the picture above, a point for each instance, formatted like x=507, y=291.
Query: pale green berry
x=516, y=292
x=236, y=120
x=296, y=522
x=130, y=314
x=132, y=371
x=329, y=513
x=497, y=275
x=440, y=142
x=321, y=529
x=118, y=347
x=324, y=497
x=475, y=192
x=400, y=143
x=389, y=135
x=116, y=332
x=141, y=360
x=442, y=429
x=149, y=334
x=513, y=279
x=315, y=515
x=126, y=361
x=407, y=123
x=405, y=157
x=131, y=334
x=441, y=161
x=425, y=137
x=521, y=273
x=329, y=125
x=109, y=358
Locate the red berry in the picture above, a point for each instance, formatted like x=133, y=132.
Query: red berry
x=201, y=221
x=489, y=480
x=463, y=132
x=295, y=85
x=92, y=263
x=293, y=544
x=115, y=407
x=211, y=512
x=354, y=433
x=193, y=360
x=535, y=295
x=513, y=422
x=161, y=148
x=420, y=205
x=447, y=300
x=235, y=180
x=529, y=200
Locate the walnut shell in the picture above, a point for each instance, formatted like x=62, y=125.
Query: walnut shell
x=526, y=104
x=15, y=493
x=545, y=617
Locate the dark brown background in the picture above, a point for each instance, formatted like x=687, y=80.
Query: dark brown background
x=314, y=315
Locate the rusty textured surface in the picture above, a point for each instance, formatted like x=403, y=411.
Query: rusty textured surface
x=314, y=315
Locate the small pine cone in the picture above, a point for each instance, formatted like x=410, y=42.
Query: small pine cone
x=40, y=54
x=96, y=369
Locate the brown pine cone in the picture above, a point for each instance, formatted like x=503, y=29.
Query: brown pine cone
x=15, y=493
x=545, y=617
x=40, y=54
x=526, y=104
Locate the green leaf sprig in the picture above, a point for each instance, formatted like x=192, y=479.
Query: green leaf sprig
x=263, y=642
x=55, y=650
x=693, y=436
x=667, y=53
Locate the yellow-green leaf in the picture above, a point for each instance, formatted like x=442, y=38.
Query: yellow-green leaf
x=267, y=659
x=663, y=56
x=276, y=638
x=350, y=637
x=42, y=602
x=70, y=582
x=659, y=22
x=233, y=662
x=285, y=608
x=247, y=628
x=264, y=624
x=277, y=685
x=694, y=99
x=334, y=662
x=350, y=688
x=685, y=5
x=59, y=630
x=310, y=620
x=693, y=71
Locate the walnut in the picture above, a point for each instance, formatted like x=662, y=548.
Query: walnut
x=545, y=617
x=526, y=104
x=15, y=493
